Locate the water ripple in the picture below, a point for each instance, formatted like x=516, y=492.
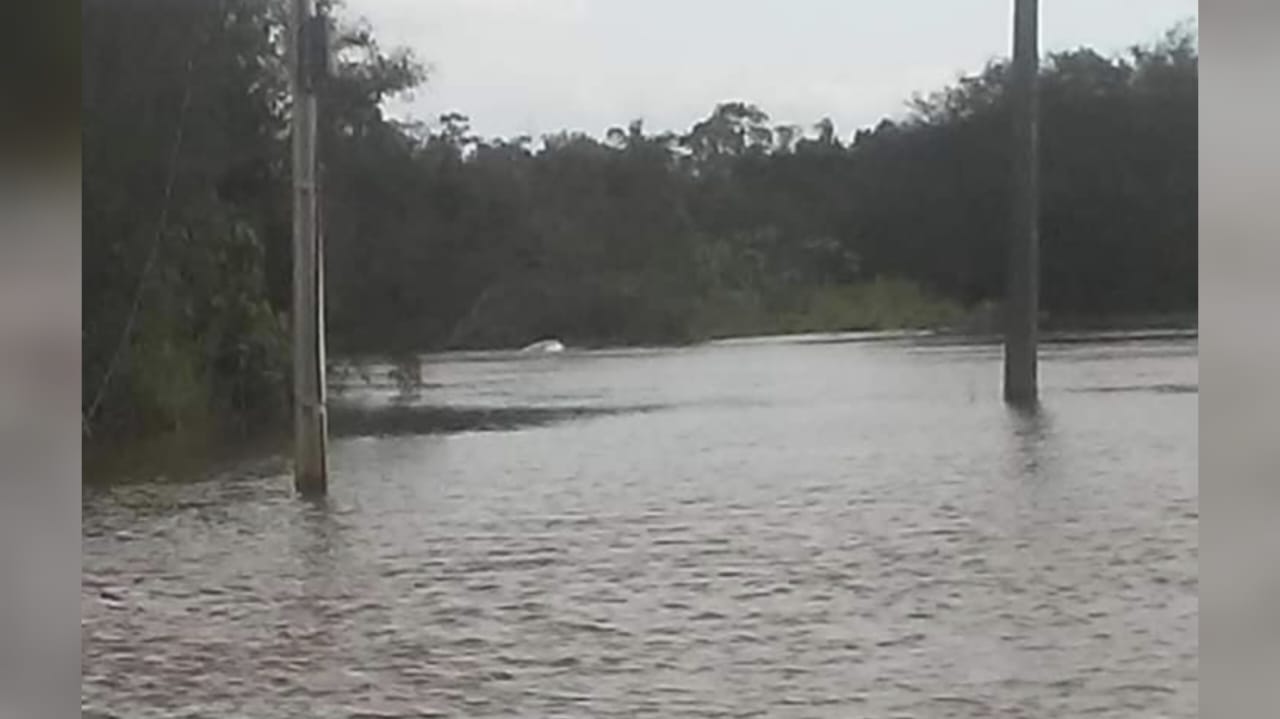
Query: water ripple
x=858, y=537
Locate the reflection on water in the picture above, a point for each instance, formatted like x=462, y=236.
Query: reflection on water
x=1032, y=435
x=766, y=528
x=403, y=417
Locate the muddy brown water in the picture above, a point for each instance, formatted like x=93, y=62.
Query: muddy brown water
x=772, y=528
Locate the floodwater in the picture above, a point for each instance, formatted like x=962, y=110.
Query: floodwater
x=773, y=528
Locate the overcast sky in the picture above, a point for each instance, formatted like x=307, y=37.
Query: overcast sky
x=539, y=66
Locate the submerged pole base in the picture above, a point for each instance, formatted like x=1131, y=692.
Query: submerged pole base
x=1021, y=398
x=1020, y=385
x=310, y=470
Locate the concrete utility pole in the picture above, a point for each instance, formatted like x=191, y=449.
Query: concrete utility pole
x=308, y=52
x=1022, y=306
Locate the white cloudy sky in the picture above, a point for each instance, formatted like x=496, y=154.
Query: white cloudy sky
x=538, y=66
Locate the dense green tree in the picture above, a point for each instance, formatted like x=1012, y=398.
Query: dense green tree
x=182, y=169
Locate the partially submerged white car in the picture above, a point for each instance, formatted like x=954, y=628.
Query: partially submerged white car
x=550, y=346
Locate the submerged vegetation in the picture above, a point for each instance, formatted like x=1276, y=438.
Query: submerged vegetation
x=437, y=238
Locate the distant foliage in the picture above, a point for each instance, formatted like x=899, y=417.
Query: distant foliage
x=439, y=238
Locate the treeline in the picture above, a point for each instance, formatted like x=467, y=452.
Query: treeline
x=438, y=238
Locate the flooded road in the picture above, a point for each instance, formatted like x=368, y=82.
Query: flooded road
x=760, y=528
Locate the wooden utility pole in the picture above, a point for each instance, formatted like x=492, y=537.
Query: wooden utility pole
x=309, y=422
x=1022, y=306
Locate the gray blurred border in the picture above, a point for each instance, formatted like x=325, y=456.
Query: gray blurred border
x=40, y=302
x=1240, y=358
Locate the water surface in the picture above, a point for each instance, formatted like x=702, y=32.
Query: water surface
x=775, y=528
